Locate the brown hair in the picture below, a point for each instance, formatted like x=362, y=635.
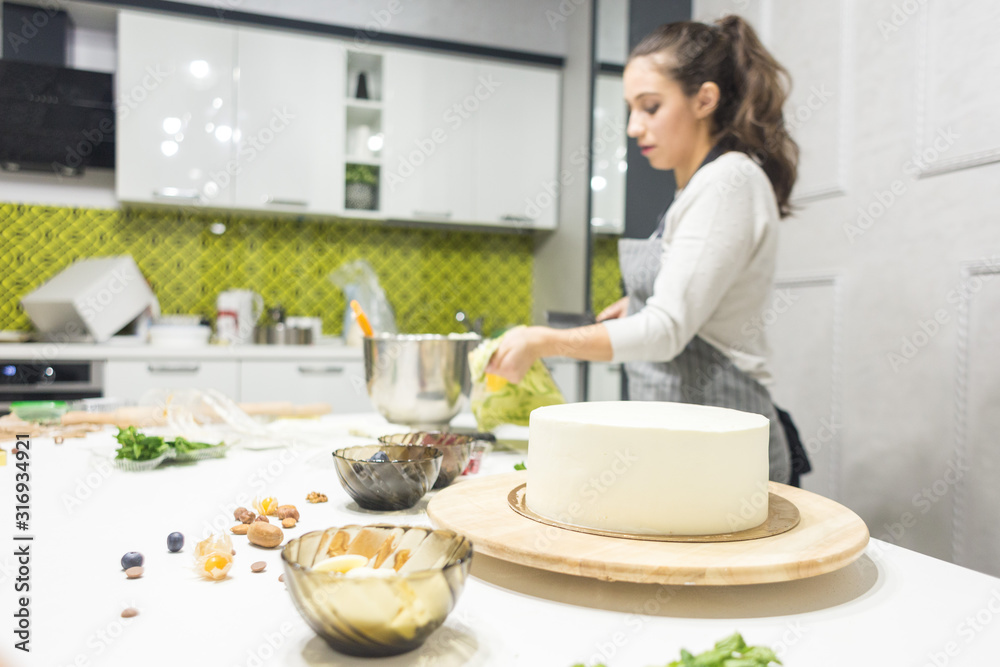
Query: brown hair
x=753, y=87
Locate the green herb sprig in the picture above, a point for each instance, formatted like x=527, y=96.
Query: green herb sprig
x=136, y=446
x=729, y=652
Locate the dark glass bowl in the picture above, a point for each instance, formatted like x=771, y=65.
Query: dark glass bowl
x=456, y=448
x=395, y=484
x=378, y=616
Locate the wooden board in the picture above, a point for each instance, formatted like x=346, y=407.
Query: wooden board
x=828, y=537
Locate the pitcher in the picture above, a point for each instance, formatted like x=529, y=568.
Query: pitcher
x=238, y=312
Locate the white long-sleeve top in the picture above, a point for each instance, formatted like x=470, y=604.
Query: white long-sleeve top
x=717, y=274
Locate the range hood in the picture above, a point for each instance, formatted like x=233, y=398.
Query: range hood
x=52, y=118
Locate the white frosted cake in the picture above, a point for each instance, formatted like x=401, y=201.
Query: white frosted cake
x=648, y=468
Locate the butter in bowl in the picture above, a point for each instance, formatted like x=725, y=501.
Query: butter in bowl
x=376, y=590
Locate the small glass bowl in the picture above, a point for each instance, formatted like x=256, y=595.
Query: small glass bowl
x=40, y=412
x=457, y=449
x=378, y=615
x=396, y=484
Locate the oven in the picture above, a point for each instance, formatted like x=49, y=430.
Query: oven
x=24, y=380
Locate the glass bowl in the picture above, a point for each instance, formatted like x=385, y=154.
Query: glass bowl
x=372, y=615
x=456, y=448
x=395, y=484
x=40, y=412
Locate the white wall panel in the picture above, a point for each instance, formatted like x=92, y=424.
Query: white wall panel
x=957, y=64
x=804, y=335
x=975, y=465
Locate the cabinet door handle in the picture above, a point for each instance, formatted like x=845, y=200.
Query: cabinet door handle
x=177, y=193
x=446, y=215
x=321, y=370
x=515, y=218
x=277, y=201
x=174, y=368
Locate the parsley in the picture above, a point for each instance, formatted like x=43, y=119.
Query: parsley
x=521, y=466
x=135, y=446
x=182, y=445
x=729, y=652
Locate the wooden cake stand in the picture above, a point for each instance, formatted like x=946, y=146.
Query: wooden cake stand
x=827, y=537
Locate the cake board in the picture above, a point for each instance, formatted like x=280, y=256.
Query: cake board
x=828, y=537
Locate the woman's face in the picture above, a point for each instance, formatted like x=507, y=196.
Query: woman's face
x=662, y=118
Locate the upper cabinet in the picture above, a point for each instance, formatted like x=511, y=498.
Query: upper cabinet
x=429, y=168
x=607, y=183
x=517, y=145
x=254, y=119
x=176, y=110
x=290, y=119
x=470, y=141
x=241, y=118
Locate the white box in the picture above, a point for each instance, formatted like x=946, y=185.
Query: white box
x=95, y=297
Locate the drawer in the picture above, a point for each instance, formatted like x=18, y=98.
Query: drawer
x=339, y=383
x=131, y=379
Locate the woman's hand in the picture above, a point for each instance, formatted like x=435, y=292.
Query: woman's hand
x=618, y=309
x=518, y=350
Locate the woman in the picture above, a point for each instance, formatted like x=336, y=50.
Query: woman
x=705, y=101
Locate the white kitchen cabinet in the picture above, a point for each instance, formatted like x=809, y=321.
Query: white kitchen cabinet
x=290, y=122
x=516, y=145
x=339, y=383
x=131, y=379
x=428, y=160
x=175, y=110
x=604, y=381
x=566, y=374
x=607, y=183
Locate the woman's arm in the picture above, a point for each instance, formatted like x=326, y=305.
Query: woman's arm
x=520, y=348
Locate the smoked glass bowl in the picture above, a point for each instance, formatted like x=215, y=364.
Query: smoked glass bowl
x=456, y=448
x=377, y=615
x=395, y=484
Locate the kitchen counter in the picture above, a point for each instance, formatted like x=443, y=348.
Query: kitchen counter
x=892, y=607
x=127, y=351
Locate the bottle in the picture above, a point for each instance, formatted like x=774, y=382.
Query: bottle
x=362, y=90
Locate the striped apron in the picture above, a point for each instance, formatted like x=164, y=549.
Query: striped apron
x=700, y=374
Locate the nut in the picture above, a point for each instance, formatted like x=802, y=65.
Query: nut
x=248, y=517
x=129, y=612
x=288, y=522
x=286, y=511
x=261, y=518
x=240, y=529
x=134, y=572
x=258, y=566
x=265, y=535
x=316, y=497
x=239, y=512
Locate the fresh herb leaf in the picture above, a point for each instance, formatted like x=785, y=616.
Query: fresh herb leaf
x=136, y=446
x=182, y=445
x=521, y=466
x=729, y=652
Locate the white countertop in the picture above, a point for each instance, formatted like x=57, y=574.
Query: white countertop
x=114, y=351
x=893, y=607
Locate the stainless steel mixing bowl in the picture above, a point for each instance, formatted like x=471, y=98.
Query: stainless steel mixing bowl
x=421, y=380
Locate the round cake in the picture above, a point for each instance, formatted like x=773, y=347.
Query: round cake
x=648, y=468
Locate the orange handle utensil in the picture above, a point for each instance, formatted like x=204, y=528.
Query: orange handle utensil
x=363, y=322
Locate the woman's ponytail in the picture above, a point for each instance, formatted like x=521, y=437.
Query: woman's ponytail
x=753, y=88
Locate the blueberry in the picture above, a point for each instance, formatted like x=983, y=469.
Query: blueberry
x=379, y=457
x=131, y=559
x=175, y=542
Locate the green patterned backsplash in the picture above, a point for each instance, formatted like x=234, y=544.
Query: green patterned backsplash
x=605, y=276
x=427, y=275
